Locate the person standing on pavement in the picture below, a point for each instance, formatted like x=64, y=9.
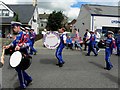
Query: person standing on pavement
x=109, y=45
x=32, y=39
x=91, y=44
x=86, y=38
x=61, y=46
x=21, y=42
x=97, y=41
x=118, y=43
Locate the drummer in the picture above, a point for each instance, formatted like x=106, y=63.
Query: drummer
x=60, y=47
x=24, y=78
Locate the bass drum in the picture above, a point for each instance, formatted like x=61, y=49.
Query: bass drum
x=51, y=40
x=25, y=62
x=20, y=60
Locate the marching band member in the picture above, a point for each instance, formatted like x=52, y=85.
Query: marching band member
x=32, y=39
x=60, y=47
x=20, y=44
x=110, y=44
x=118, y=43
x=91, y=44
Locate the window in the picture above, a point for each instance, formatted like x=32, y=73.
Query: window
x=41, y=24
x=5, y=12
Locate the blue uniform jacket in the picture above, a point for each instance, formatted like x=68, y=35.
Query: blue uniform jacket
x=92, y=39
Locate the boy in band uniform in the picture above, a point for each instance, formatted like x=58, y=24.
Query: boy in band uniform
x=24, y=78
x=109, y=45
x=61, y=47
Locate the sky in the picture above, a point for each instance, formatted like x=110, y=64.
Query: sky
x=70, y=8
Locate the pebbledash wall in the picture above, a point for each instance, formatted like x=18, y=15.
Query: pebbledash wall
x=98, y=17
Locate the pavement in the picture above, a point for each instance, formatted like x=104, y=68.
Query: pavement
x=79, y=71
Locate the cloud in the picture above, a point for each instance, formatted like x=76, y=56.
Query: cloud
x=72, y=13
x=9, y=1
x=59, y=5
x=63, y=5
x=103, y=1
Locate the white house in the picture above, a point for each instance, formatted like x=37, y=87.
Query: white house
x=43, y=21
x=100, y=17
x=27, y=13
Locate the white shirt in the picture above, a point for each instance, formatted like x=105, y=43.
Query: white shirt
x=64, y=36
x=88, y=35
x=98, y=37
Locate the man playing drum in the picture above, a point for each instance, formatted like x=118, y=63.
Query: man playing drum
x=24, y=78
x=60, y=47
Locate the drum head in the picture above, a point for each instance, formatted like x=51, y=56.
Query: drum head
x=51, y=40
x=15, y=59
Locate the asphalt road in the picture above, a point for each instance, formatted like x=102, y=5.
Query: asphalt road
x=79, y=71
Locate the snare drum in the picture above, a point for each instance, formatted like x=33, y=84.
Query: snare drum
x=51, y=40
x=19, y=60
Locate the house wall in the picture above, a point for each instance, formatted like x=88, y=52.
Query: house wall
x=83, y=21
x=43, y=23
x=33, y=23
x=100, y=21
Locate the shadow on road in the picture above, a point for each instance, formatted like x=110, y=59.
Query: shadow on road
x=98, y=65
x=16, y=85
x=48, y=61
x=112, y=78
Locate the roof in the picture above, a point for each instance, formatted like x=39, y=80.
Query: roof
x=44, y=16
x=6, y=20
x=102, y=9
x=72, y=22
x=25, y=12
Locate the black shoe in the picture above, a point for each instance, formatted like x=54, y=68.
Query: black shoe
x=23, y=86
x=87, y=55
x=28, y=82
x=35, y=53
x=85, y=50
x=60, y=65
x=63, y=63
x=57, y=64
x=95, y=54
x=107, y=68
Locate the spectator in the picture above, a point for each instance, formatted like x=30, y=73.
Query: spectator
x=69, y=43
x=86, y=38
x=97, y=41
x=9, y=36
x=76, y=39
x=78, y=44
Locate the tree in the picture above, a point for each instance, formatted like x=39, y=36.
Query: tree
x=55, y=20
x=16, y=17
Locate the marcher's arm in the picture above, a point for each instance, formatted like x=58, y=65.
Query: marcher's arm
x=2, y=61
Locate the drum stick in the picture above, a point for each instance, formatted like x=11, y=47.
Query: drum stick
x=3, y=52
